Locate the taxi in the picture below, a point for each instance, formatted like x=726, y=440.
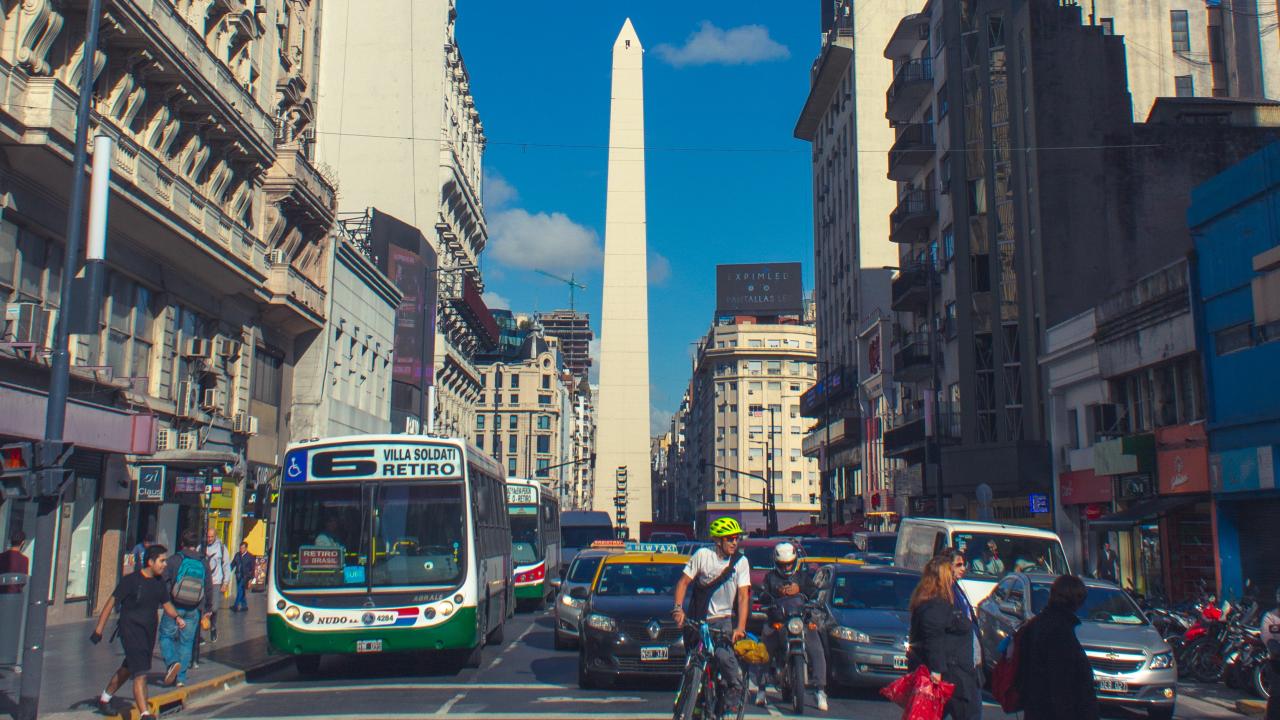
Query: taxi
x=625, y=626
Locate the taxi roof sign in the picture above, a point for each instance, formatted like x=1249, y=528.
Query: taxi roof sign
x=650, y=547
x=608, y=544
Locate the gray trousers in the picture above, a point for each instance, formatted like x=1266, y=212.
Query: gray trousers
x=730, y=670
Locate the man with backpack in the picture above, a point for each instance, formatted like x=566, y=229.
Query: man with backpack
x=187, y=578
x=721, y=580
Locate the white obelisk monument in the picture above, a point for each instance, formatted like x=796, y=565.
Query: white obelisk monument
x=622, y=421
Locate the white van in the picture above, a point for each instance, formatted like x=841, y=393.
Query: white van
x=991, y=550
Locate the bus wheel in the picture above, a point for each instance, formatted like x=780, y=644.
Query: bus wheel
x=307, y=664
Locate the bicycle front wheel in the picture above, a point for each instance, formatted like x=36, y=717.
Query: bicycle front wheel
x=687, y=695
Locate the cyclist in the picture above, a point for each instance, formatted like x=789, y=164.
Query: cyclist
x=788, y=586
x=721, y=579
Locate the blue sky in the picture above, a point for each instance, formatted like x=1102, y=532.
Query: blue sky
x=724, y=84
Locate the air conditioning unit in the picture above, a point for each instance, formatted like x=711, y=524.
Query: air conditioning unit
x=226, y=347
x=197, y=347
x=245, y=424
x=209, y=400
x=189, y=440
x=26, y=323
x=276, y=257
x=188, y=393
x=166, y=439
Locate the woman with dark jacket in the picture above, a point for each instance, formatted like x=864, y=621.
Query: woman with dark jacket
x=1055, y=679
x=943, y=638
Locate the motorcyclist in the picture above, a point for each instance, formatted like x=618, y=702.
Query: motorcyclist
x=787, y=586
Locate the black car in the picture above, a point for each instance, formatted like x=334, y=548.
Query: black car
x=867, y=641
x=626, y=627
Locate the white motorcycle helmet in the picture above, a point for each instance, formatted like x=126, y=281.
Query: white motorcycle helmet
x=784, y=554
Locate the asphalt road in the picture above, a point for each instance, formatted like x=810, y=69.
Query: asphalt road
x=523, y=678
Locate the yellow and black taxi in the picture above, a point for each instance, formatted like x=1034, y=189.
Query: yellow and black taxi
x=625, y=627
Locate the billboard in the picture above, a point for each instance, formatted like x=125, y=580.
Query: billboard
x=759, y=289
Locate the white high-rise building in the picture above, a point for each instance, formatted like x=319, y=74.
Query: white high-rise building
x=622, y=479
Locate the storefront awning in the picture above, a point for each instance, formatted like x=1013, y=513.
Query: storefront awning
x=1140, y=512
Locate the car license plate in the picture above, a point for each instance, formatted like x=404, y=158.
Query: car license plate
x=899, y=662
x=368, y=646
x=651, y=654
x=1115, y=686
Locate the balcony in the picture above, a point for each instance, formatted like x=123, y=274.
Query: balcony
x=297, y=304
x=300, y=189
x=915, y=213
x=911, y=359
x=911, y=84
x=911, y=289
x=840, y=432
x=912, y=149
x=910, y=430
x=826, y=78
x=911, y=31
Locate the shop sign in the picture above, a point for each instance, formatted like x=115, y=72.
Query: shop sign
x=1080, y=487
x=1038, y=503
x=1093, y=511
x=150, y=487
x=1243, y=470
x=1182, y=459
x=1124, y=456
x=196, y=483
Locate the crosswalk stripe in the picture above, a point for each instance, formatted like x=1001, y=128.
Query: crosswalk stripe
x=410, y=686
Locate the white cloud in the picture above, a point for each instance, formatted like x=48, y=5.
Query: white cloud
x=659, y=269
x=496, y=192
x=550, y=241
x=494, y=301
x=742, y=45
x=659, y=421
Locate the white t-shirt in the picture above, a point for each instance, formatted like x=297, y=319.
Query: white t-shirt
x=705, y=566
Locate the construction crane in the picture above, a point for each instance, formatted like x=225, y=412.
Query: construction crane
x=573, y=284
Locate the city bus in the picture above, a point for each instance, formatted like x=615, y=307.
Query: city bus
x=535, y=538
x=389, y=543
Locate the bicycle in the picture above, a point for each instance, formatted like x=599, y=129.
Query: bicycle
x=699, y=694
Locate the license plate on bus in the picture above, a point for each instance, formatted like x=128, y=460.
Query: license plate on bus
x=651, y=654
x=1115, y=686
x=899, y=662
x=368, y=646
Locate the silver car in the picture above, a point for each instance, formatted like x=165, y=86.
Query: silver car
x=568, y=609
x=1132, y=664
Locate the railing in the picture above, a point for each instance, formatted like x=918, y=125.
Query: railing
x=909, y=73
x=286, y=281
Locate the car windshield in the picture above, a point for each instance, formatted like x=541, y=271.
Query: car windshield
x=992, y=555
x=760, y=556
x=622, y=579
x=884, y=544
x=583, y=569
x=827, y=548
x=872, y=591
x=524, y=535
x=580, y=536
x=1108, y=606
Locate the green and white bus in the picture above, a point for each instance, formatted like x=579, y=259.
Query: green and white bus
x=389, y=543
x=535, y=538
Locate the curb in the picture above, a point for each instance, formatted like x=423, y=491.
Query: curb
x=1251, y=707
x=174, y=700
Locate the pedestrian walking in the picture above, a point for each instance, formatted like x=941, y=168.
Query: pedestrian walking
x=187, y=580
x=943, y=636
x=242, y=565
x=140, y=594
x=140, y=550
x=219, y=561
x=13, y=562
x=1055, y=679
x=1108, y=564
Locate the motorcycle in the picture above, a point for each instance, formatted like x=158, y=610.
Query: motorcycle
x=1245, y=664
x=792, y=667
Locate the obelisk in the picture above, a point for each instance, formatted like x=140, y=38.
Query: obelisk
x=622, y=419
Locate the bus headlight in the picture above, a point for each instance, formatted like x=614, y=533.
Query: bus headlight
x=603, y=623
x=292, y=613
x=446, y=608
x=849, y=634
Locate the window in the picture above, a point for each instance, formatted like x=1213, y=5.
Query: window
x=480, y=422
x=753, y=367
x=754, y=388
x=1073, y=428
x=511, y=443
x=268, y=377
x=755, y=343
x=544, y=444
x=1181, y=31
x=543, y=464
x=943, y=104
x=497, y=379
x=1184, y=86
x=513, y=422
x=513, y=399
x=511, y=466
x=480, y=441
x=546, y=382
x=544, y=422
x=796, y=476
x=515, y=381
x=775, y=367
x=949, y=321
x=544, y=399
x=948, y=244
x=1108, y=25
x=1229, y=340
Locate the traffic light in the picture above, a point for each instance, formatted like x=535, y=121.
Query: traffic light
x=17, y=463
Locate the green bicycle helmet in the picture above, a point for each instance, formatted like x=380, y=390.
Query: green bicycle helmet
x=724, y=527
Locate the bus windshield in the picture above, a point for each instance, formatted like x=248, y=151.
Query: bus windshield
x=992, y=555
x=525, y=548
x=371, y=535
x=581, y=536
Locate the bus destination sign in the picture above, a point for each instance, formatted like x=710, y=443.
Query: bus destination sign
x=373, y=461
x=522, y=495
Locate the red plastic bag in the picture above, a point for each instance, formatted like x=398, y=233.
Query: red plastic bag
x=919, y=696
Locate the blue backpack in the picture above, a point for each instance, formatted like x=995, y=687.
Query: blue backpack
x=188, y=584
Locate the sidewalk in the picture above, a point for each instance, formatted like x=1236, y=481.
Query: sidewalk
x=1217, y=700
x=75, y=670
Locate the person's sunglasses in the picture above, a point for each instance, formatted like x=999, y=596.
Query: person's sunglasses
x=731, y=538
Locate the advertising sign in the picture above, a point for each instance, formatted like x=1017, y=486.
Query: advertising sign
x=150, y=487
x=759, y=289
x=1243, y=470
x=1182, y=459
x=410, y=262
x=189, y=483
x=1083, y=487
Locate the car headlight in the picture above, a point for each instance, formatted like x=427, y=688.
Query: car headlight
x=852, y=635
x=795, y=626
x=1162, y=661
x=603, y=623
x=572, y=602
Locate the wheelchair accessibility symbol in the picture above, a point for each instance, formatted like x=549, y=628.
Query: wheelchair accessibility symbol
x=295, y=467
